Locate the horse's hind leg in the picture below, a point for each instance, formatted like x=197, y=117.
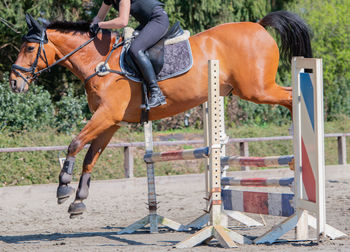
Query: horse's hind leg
x=276, y=94
x=96, y=148
x=264, y=93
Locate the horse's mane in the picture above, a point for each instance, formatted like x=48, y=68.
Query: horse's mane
x=82, y=26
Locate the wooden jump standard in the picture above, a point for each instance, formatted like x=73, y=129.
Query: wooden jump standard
x=214, y=230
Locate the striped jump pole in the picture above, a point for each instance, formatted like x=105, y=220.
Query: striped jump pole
x=257, y=182
x=199, y=153
x=276, y=204
x=274, y=161
x=309, y=156
x=189, y=154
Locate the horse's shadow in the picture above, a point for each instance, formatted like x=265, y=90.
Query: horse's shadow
x=60, y=238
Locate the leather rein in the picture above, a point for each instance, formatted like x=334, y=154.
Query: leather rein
x=34, y=75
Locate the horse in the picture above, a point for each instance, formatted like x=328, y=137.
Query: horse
x=248, y=55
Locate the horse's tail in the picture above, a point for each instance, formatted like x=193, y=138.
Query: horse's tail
x=294, y=32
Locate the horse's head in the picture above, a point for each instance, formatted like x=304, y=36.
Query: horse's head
x=31, y=58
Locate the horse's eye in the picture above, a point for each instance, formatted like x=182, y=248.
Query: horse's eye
x=30, y=48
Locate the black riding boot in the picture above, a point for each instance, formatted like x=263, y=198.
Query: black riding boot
x=156, y=97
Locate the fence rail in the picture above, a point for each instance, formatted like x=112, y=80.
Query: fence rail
x=243, y=143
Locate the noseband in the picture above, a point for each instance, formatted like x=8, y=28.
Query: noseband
x=32, y=69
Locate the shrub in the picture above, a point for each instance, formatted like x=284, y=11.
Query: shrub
x=19, y=112
x=72, y=113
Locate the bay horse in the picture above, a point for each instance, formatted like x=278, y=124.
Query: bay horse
x=248, y=56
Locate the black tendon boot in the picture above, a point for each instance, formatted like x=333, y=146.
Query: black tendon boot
x=156, y=97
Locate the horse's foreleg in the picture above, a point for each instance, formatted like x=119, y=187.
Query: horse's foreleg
x=99, y=123
x=95, y=150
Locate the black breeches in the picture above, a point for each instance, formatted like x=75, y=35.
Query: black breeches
x=152, y=32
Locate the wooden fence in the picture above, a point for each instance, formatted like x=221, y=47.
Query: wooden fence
x=243, y=144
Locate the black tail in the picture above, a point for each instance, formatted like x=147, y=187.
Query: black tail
x=294, y=32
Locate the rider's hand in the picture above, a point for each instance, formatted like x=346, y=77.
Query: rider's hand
x=94, y=29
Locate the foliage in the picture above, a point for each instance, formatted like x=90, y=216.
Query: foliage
x=261, y=114
x=329, y=21
x=198, y=15
x=19, y=112
x=35, y=110
x=71, y=113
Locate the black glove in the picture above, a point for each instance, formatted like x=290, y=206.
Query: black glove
x=94, y=29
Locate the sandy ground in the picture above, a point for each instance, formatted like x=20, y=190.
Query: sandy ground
x=30, y=219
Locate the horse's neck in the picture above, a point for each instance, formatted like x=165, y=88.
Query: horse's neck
x=84, y=61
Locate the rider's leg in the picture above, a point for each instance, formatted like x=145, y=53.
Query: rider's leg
x=150, y=34
x=156, y=96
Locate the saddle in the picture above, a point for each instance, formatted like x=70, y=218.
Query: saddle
x=170, y=57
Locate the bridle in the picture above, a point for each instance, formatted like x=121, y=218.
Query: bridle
x=32, y=69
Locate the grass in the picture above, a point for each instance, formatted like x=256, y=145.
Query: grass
x=23, y=168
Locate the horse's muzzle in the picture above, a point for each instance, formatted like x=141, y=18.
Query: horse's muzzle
x=18, y=85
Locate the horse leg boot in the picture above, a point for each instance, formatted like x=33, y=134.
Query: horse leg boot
x=77, y=207
x=145, y=66
x=65, y=177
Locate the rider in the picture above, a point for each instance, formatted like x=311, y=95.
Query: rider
x=154, y=24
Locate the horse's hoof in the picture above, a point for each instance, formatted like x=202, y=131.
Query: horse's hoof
x=76, y=208
x=63, y=193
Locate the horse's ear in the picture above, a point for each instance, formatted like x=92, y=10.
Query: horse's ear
x=35, y=24
x=29, y=19
x=36, y=32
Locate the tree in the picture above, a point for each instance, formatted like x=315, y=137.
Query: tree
x=198, y=15
x=329, y=21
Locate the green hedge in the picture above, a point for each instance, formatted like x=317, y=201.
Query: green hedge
x=19, y=112
x=35, y=110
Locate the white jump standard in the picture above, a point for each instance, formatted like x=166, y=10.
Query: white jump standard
x=309, y=156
